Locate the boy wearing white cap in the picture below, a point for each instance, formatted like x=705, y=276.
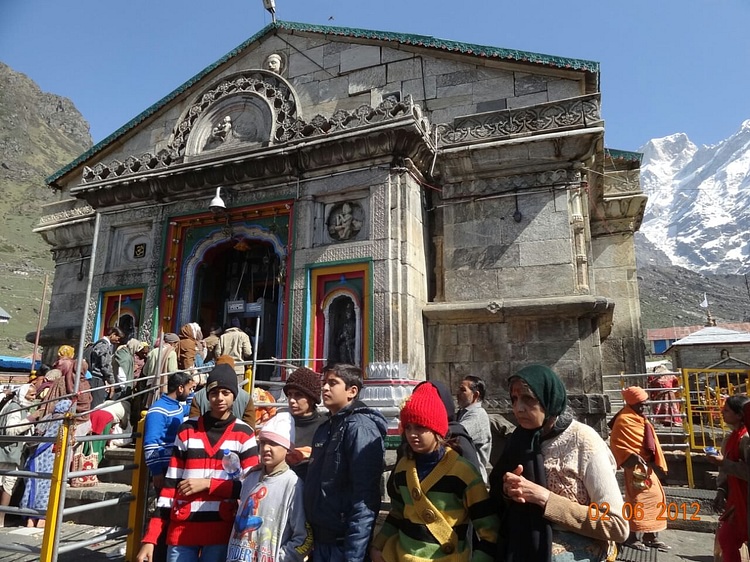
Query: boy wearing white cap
x=270, y=523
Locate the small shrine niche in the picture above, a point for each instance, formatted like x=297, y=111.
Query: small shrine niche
x=343, y=333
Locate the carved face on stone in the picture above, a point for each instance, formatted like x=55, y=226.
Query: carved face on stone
x=273, y=63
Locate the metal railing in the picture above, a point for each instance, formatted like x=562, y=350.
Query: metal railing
x=61, y=473
x=707, y=391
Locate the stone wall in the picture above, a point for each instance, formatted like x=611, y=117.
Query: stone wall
x=614, y=274
x=341, y=75
x=487, y=253
x=395, y=245
x=703, y=356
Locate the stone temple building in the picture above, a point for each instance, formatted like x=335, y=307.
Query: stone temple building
x=423, y=208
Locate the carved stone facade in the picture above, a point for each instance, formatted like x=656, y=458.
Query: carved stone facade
x=426, y=209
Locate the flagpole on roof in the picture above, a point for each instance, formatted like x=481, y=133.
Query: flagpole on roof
x=710, y=321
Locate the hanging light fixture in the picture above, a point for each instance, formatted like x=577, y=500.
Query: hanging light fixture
x=217, y=204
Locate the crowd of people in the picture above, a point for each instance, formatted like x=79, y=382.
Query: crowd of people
x=242, y=481
x=119, y=377
x=304, y=485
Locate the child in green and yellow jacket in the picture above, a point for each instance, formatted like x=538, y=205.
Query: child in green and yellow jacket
x=435, y=495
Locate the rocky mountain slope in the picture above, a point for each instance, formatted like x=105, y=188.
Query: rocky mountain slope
x=39, y=133
x=671, y=295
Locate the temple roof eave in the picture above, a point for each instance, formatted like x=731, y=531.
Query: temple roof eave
x=379, y=143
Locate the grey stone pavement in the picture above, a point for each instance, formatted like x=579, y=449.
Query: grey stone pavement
x=687, y=545
x=690, y=540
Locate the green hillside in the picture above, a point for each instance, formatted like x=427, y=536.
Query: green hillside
x=39, y=133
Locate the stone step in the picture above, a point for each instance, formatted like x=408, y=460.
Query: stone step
x=29, y=541
x=113, y=516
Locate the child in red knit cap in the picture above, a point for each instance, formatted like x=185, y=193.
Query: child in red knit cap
x=435, y=494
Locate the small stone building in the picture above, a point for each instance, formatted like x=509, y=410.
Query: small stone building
x=711, y=347
x=423, y=208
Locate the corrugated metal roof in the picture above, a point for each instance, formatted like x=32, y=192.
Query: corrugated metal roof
x=713, y=335
x=677, y=332
x=401, y=38
x=4, y=314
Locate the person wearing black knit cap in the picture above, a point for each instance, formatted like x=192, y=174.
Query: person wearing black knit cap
x=196, y=506
x=302, y=390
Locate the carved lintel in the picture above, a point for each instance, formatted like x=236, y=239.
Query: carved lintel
x=64, y=216
x=294, y=130
x=511, y=183
x=268, y=166
x=578, y=112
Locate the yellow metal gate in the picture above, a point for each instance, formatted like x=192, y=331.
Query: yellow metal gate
x=705, y=393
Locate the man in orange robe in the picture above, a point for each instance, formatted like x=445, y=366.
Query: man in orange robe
x=636, y=449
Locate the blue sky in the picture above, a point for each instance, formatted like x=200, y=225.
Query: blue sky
x=667, y=66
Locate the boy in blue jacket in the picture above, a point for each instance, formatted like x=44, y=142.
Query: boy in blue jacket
x=163, y=419
x=342, y=489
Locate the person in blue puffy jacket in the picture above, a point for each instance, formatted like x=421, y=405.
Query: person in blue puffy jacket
x=342, y=488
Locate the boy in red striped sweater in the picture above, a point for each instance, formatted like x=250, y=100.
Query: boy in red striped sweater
x=199, y=499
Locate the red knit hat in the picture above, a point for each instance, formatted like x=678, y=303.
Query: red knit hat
x=425, y=407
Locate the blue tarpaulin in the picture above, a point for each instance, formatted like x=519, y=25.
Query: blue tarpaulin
x=8, y=363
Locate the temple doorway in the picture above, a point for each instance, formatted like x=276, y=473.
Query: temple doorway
x=242, y=279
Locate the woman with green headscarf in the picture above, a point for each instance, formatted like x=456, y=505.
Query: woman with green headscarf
x=555, y=480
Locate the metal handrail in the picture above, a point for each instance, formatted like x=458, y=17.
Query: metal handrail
x=21, y=510
x=27, y=474
x=94, y=540
x=125, y=498
x=103, y=470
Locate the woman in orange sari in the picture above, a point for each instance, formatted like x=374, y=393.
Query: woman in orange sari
x=636, y=449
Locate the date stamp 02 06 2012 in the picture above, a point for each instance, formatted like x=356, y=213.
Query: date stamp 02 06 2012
x=671, y=511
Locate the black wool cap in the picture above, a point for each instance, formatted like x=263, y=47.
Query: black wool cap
x=222, y=376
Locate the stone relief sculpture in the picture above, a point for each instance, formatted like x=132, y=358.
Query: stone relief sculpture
x=346, y=338
x=221, y=134
x=248, y=124
x=223, y=131
x=342, y=223
x=274, y=62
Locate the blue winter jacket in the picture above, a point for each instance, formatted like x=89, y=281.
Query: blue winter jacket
x=342, y=487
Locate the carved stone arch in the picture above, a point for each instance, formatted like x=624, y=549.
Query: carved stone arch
x=217, y=238
x=267, y=95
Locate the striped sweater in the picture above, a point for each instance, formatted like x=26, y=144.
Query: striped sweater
x=456, y=489
x=206, y=518
x=163, y=420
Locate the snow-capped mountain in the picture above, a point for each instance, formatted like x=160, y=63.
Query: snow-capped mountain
x=698, y=211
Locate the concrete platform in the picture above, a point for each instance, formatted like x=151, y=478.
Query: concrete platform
x=688, y=545
x=28, y=542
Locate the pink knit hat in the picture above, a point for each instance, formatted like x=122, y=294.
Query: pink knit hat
x=280, y=430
